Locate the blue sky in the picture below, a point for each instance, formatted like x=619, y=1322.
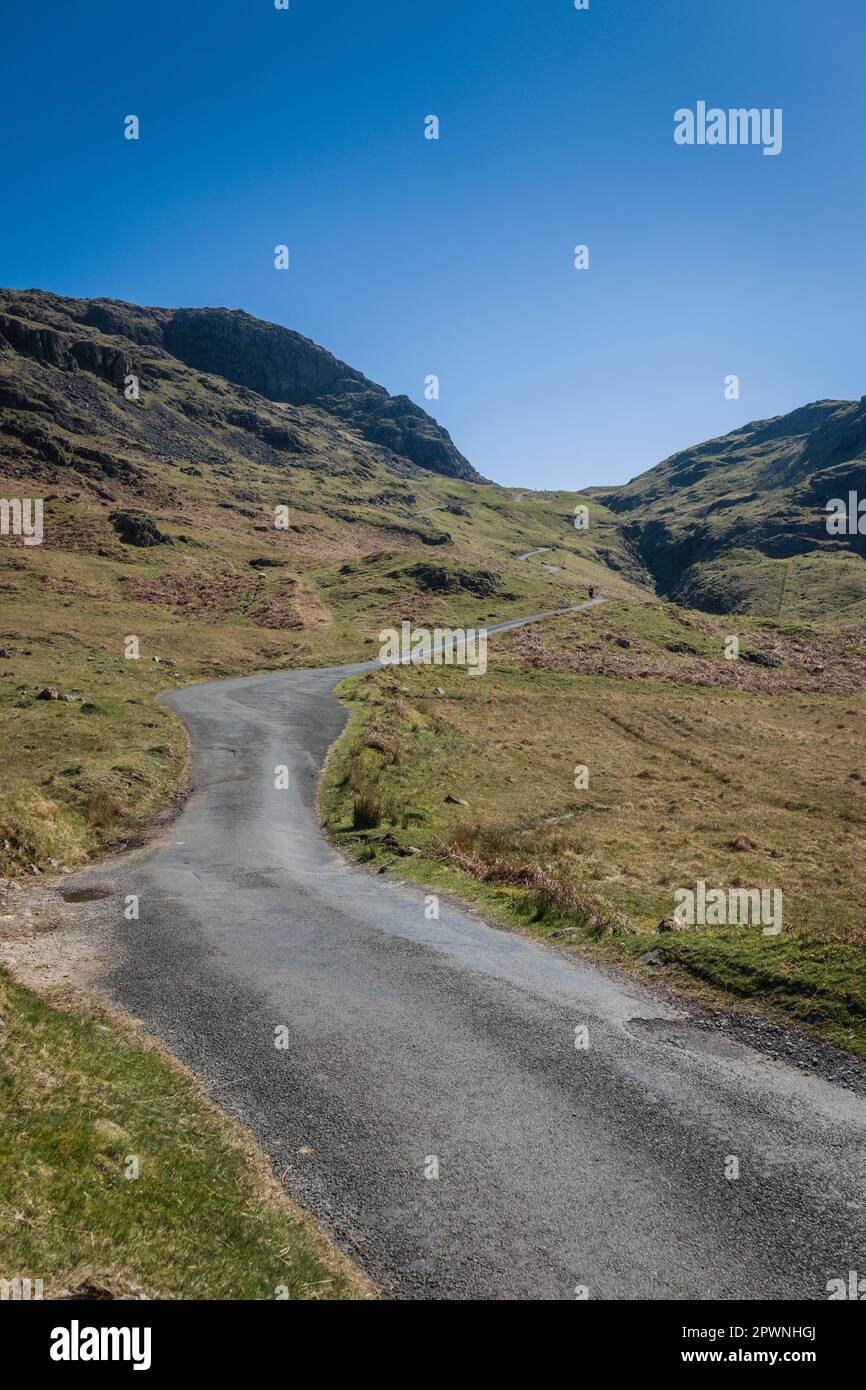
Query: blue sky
x=455, y=257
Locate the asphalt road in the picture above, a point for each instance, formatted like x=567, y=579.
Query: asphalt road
x=559, y=1167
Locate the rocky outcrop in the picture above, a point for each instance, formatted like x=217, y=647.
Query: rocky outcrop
x=102, y=359
x=56, y=349
x=273, y=361
x=438, y=579
x=400, y=425
x=42, y=344
x=284, y=366
x=134, y=528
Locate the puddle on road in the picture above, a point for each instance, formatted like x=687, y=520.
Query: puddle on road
x=85, y=895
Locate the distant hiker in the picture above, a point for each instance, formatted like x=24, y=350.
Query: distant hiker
x=592, y=591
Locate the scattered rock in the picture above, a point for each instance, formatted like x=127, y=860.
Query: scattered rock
x=761, y=658
x=92, y=1292
x=455, y=800
x=134, y=528
x=741, y=844
x=438, y=579
x=656, y=957
x=48, y=692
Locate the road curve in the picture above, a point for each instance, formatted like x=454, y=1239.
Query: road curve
x=559, y=1167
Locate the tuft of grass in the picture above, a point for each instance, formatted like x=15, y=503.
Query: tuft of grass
x=550, y=894
x=102, y=809
x=366, y=811
x=83, y=1100
x=376, y=738
x=34, y=830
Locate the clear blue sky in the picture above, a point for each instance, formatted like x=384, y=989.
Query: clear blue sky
x=454, y=257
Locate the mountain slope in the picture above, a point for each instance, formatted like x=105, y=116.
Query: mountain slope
x=268, y=359
x=739, y=523
x=194, y=468
x=159, y=524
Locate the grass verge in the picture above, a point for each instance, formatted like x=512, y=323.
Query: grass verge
x=85, y=1101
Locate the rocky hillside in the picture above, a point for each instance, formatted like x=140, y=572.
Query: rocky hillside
x=160, y=503
x=235, y=416
x=230, y=418
x=101, y=335
x=739, y=523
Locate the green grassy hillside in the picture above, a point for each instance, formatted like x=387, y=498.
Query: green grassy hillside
x=738, y=524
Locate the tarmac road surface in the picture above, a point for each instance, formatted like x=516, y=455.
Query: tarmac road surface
x=416, y=1046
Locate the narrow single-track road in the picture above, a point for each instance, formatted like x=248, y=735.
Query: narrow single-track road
x=416, y=1046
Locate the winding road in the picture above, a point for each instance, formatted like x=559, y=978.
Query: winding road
x=416, y=1047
